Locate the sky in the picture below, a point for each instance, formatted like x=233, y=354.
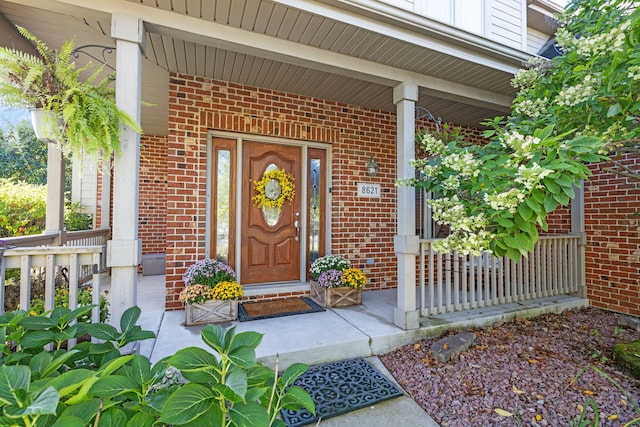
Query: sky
x=11, y=116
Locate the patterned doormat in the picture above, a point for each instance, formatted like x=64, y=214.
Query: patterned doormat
x=278, y=308
x=340, y=387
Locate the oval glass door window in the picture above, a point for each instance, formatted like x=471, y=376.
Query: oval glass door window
x=272, y=190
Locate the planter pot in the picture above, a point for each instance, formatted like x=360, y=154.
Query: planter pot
x=335, y=297
x=45, y=125
x=213, y=311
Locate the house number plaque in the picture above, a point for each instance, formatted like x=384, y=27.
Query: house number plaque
x=369, y=190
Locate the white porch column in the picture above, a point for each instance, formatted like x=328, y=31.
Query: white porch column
x=124, y=251
x=54, y=219
x=405, y=314
x=577, y=227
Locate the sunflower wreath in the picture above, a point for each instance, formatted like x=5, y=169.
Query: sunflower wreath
x=274, y=188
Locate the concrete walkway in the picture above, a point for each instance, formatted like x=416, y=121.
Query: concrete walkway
x=366, y=331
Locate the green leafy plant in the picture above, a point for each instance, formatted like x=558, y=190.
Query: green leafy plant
x=74, y=219
x=231, y=389
x=578, y=108
x=50, y=80
x=22, y=208
x=44, y=383
x=22, y=156
x=599, y=356
x=61, y=299
x=79, y=386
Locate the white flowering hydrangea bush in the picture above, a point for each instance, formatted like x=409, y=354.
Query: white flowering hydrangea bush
x=496, y=197
x=593, y=88
x=577, y=108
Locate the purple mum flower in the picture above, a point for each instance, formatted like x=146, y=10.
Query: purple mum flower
x=330, y=279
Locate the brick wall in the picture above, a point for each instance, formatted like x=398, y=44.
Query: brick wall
x=152, y=213
x=612, y=220
x=152, y=203
x=362, y=229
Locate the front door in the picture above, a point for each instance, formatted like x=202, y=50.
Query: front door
x=270, y=246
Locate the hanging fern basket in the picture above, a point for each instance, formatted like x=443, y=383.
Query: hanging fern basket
x=46, y=125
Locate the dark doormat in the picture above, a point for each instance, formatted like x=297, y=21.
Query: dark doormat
x=268, y=309
x=340, y=387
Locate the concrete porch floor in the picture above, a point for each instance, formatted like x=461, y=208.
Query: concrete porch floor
x=366, y=331
x=358, y=331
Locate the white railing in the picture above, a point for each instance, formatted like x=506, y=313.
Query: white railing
x=96, y=237
x=48, y=261
x=449, y=282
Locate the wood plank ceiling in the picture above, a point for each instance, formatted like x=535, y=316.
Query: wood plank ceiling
x=170, y=53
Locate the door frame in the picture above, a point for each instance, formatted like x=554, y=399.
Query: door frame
x=301, y=191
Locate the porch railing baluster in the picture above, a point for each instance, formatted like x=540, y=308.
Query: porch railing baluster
x=458, y=282
x=46, y=262
x=465, y=266
x=472, y=281
x=432, y=299
x=440, y=307
x=25, y=282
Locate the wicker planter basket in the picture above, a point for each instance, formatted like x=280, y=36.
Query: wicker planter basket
x=335, y=297
x=213, y=311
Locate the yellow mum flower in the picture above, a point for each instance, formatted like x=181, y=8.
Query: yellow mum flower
x=354, y=277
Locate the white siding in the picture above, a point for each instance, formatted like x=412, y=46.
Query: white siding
x=506, y=22
x=535, y=40
x=84, y=185
x=440, y=10
x=403, y=4
x=502, y=21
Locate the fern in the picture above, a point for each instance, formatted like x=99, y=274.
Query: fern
x=92, y=123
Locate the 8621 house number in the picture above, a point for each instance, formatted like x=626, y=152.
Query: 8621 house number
x=368, y=190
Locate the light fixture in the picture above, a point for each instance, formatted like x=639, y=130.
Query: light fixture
x=372, y=167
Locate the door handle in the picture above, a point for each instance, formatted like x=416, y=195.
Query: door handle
x=296, y=224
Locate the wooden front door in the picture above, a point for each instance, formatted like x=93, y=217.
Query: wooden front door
x=270, y=246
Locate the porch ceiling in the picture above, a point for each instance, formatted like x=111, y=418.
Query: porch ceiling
x=310, y=48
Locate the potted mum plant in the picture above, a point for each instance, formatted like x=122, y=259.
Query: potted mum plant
x=335, y=283
x=211, y=293
x=77, y=113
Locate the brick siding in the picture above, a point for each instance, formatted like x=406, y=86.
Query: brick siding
x=612, y=221
x=362, y=229
x=152, y=211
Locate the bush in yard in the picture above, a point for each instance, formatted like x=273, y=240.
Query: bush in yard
x=22, y=156
x=22, y=208
x=94, y=384
x=61, y=299
x=577, y=108
x=75, y=220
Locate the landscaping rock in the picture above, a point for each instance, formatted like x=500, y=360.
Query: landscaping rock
x=627, y=355
x=450, y=347
x=630, y=322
